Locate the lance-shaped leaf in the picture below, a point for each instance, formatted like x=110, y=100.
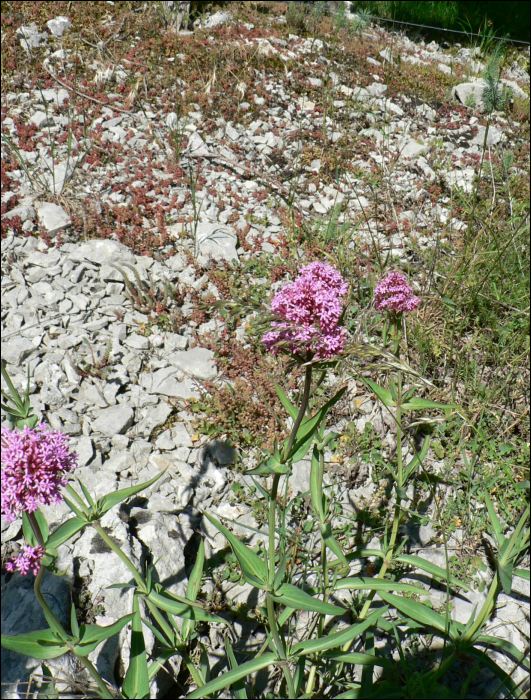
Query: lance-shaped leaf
x=186, y=609
x=384, y=395
x=41, y=644
x=374, y=584
x=136, y=681
x=431, y=569
x=336, y=639
x=309, y=425
x=316, y=487
x=253, y=568
x=415, y=404
x=28, y=530
x=238, y=687
x=92, y=635
x=522, y=573
x=355, y=658
x=194, y=584
x=236, y=674
x=417, y=459
x=420, y=613
x=332, y=544
x=111, y=499
x=290, y=408
x=64, y=532
x=298, y=599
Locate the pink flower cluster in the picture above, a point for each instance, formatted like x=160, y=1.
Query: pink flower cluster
x=29, y=559
x=394, y=294
x=310, y=309
x=34, y=466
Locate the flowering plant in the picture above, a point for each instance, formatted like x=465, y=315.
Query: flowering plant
x=307, y=660
x=310, y=309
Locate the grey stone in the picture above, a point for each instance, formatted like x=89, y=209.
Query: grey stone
x=217, y=241
x=470, y=94
x=41, y=119
x=102, y=252
x=174, y=341
x=196, y=145
x=58, y=26
x=30, y=37
x=217, y=19
x=165, y=382
x=16, y=350
x=111, y=421
x=222, y=452
x=198, y=362
x=26, y=212
x=53, y=217
x=152, y=418
x=412, y=148
x=494, y=136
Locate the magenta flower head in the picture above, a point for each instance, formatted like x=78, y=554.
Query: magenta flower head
x=309, y=310
x=394, y=294
x=29, y=559
x=34, y=466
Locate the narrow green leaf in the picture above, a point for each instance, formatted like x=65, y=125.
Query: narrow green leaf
x=253, y=568
x=28, y=530
x=417, y=459
x=296, y=598
x=227, y=679
x=290, y=408
x=505, y=573
x=309, y=426
x=136, y=681
x=354, y=658
x=47, y=689
x=300, y=449
x=194, y=584
x=238, y=688
x=182, y=608
x=500, y=673
x=507, y=647
x=87, y=495
x=522, y=573
x=73, y=622
x=111, y=499
x=374, y=584
x=419, y=612
x=416, y=404
x=204, y=664
x=332, y=544
x=336, y=639
x=316, y=486
x=432, y=569
x=92, y=635
x=281, y=570
x=392, y=389
x=41, y=644
x=79, y=513
x=495, y=521
x=64, y=532
x=384, y=395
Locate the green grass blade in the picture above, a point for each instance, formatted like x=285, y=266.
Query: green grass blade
x=234, y=675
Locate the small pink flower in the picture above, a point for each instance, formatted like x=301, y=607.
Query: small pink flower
x=395, y=295
x=310, y=309
x=29, y=559
x=34, y=467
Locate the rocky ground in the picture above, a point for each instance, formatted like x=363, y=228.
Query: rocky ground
x=140, y=180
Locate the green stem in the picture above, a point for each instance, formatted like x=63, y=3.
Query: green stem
x=302, y=411
x=399, y=431
x=116, y=549
x=485, y=611
x=52, y=619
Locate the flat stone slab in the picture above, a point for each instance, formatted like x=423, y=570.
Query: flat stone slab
x=114, y=420
x=164, y=382
x=217, y=241
x=52, y=217
x=198, y=362
x=103, y=252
